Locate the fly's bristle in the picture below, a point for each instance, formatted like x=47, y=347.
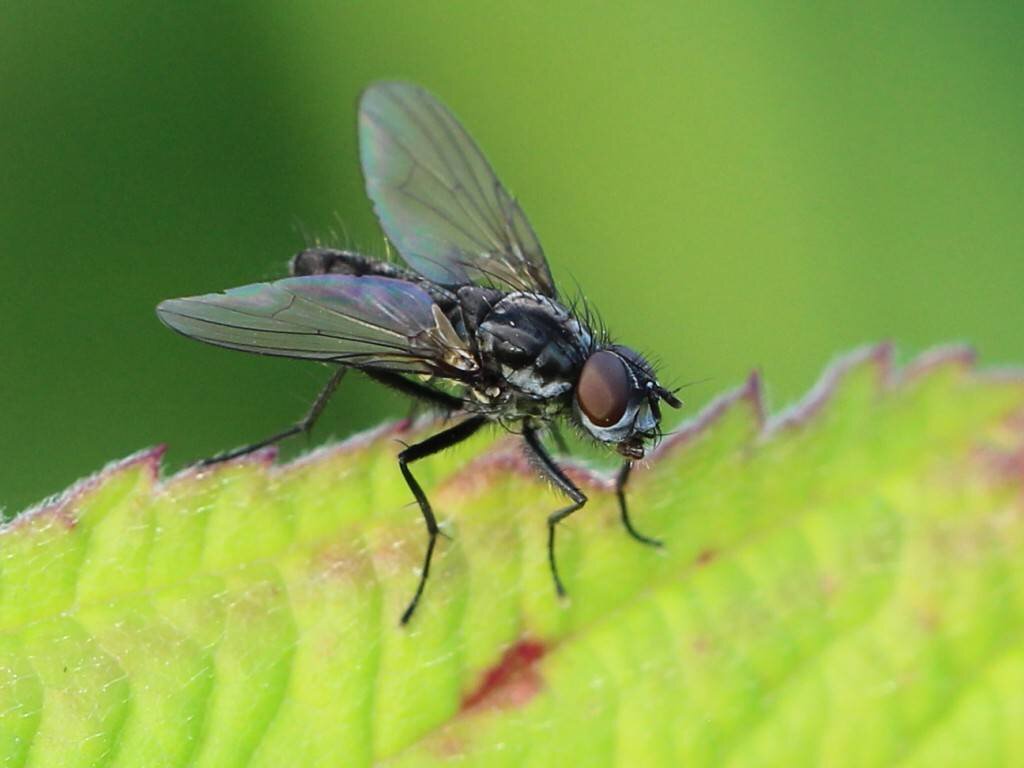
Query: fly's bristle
x=587, y=316
x=346, y=236
x=499, y=281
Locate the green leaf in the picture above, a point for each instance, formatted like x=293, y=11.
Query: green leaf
x=841, y=585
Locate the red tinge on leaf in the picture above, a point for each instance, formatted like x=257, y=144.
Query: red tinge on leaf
x=512, y=682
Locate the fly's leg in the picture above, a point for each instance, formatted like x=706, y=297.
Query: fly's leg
x=304, y=425
x=620, y=492
x=444, y=402
x=446, y=439
x=441, y=400
x=558, y=477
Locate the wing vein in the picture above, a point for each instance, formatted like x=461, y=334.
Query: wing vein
x=414, y=117
x=439, y=200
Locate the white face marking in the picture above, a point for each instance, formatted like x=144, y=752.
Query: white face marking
x=615, y=433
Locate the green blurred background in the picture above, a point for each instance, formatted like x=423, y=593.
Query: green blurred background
x=735, y=186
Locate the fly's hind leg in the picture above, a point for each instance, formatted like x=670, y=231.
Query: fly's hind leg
x=303, y=425
x=620, y=492
x=434, y=444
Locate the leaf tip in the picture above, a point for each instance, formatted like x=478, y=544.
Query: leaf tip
x=60, y=506
x=753, y=392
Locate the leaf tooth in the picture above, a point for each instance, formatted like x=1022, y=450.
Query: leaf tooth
x=878, y=356
x=749, y=394
x=961, y=356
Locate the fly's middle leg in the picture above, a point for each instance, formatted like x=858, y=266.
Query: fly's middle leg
x=434, y=444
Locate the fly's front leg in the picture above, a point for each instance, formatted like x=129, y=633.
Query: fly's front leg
x=620, y=492
x=558, y=477
x=440, y=441
x=304, y=425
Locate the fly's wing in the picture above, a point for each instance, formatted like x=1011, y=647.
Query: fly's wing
x=438, y=199
x=363, y=322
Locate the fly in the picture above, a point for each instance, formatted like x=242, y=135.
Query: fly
x=472, y=324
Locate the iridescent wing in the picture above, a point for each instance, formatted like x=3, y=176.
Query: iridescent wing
x=363, y=322
x=438, y=199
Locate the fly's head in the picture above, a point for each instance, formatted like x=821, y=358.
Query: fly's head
x=618, y=399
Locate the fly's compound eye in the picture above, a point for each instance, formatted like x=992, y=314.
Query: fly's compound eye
x=604, y=388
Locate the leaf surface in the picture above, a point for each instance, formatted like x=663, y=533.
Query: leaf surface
x=842, y=584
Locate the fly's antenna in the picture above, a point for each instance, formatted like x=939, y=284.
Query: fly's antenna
x=668, y=396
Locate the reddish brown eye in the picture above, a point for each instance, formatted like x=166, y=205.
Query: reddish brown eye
x=603, y=389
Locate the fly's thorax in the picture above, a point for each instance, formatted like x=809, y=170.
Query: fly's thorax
x=536, y=345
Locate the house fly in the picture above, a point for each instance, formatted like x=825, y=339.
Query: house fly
x=472, y=322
